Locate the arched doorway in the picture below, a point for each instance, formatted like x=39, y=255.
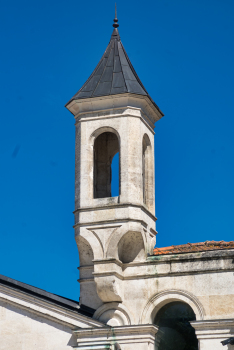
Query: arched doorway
x=175, y=331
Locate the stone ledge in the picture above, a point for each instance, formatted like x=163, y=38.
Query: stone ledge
x=108, y=222
x=115, y=102
x=113, y=205
x=47, y=309
x=202, y=255
x=214, y=329
x=131, y=335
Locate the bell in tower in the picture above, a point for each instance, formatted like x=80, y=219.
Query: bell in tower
x=113, y=113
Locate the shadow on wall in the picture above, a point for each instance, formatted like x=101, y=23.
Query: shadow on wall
x=85, y=252
x=131, y=247
x=230, y=347
x=72, y=341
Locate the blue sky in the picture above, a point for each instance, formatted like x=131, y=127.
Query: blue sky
x=183, y=52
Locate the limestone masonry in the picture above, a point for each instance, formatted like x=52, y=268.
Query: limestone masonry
x=133, y=295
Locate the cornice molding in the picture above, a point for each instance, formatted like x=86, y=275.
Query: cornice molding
x=46, y=309
x=214, y=329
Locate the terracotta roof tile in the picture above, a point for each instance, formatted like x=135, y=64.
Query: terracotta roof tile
x=194, y=247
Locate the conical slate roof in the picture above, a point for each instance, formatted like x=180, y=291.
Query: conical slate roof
x=114, y=74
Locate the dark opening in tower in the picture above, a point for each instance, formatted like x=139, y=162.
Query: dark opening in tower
x=106, y=146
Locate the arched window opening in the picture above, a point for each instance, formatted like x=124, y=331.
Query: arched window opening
x=146, y=168
x=106, y=146
x=115, y=175
x=175, y=331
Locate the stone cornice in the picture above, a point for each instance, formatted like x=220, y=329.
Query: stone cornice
x=117, y=221
x=214, y=329
x=46, y=309
x=95, y=104
x=115, y=113
x=119, y=330
x=104, y=337
x=205, y=255
x=213, y=324
x=211, y=263
x=113, y=206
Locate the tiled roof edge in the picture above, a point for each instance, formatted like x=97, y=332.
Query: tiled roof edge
x=194, y=247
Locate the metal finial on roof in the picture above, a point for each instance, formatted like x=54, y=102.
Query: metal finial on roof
x=115, y=24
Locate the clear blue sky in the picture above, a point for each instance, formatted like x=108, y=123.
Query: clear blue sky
x=183, y=52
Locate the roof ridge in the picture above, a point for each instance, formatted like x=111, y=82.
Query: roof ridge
x=121, y=66
x=131, y=66
x=103, y=69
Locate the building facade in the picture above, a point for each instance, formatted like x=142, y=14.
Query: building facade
x=133, y=295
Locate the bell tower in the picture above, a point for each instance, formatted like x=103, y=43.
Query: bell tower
x=113, y=113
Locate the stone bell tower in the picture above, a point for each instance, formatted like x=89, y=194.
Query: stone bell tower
x=113, y=113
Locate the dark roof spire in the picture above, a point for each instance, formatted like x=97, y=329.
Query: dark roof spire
x=114, y=73
x=115, y=24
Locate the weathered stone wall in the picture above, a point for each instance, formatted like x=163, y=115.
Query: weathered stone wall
x=115, y=236
x=31, y=318
x=24, y=330
x=204, y=280
x=120, y=227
